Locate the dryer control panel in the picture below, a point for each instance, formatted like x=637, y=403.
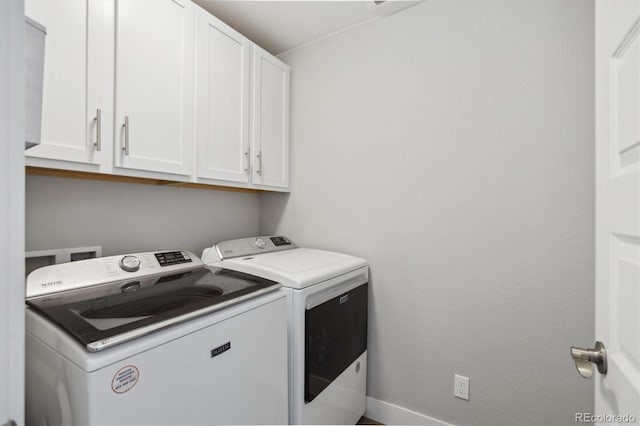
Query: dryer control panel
x=253, y=245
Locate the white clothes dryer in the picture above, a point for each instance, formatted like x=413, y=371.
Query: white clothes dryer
x=154, y=339
x=327, y=300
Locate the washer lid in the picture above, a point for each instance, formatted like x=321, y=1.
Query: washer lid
x=104, y=315
x=296, y=268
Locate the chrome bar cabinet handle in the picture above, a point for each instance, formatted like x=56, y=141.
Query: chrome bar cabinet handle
x=248, y=155
x=259, y=156
x=125, y=147
x=98, y=121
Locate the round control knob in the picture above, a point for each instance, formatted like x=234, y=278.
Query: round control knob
x=260, y=243
x=130, y=263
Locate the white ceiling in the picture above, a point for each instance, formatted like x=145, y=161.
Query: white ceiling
x=279, y=26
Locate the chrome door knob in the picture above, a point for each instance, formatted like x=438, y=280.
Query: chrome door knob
x=585, y=359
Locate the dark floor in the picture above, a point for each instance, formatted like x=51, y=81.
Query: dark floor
x=366, y=421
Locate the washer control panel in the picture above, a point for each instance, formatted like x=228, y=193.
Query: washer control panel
x=254, y=245
x=173, y=258
x=85, y=273
x=260, y=243
x=130, y=263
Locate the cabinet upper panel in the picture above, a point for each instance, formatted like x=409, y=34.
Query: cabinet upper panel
x=270, y=120
x=223, y=59
x=154, y=85
x=73, y=85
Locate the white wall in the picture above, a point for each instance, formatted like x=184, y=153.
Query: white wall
x=451, y=144
x=12, y=135
x=125, y=217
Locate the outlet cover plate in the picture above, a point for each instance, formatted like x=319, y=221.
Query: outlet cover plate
x=461, y=387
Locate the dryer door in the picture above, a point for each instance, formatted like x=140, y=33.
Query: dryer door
x=335, y=336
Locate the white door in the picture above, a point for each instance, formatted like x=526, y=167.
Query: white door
x=618, y=208
x=77, y=78
x=270, y=145
x=154, y=85
x=12, y=136
x=223, y=63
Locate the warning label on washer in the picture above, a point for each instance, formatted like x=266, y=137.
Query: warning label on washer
x=125, y=379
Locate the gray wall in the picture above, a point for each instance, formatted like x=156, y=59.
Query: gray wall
x=124, y=217
x=451, y=144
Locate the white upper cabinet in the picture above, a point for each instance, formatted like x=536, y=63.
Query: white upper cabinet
x=270, y=127
x=160, y=89
x=154, y=94
x=223, y=60
x=77, y=79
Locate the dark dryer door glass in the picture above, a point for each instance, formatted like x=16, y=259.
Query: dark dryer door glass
x=336, y=335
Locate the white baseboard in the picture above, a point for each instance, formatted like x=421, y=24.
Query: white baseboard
x=391, y=414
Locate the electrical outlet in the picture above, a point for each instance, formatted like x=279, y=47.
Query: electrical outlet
x=461, y=387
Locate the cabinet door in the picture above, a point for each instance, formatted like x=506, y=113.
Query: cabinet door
x=223, y=58
x=270, y=130
x=77, y=78
x=154, y=85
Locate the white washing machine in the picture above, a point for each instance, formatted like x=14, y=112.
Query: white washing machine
x=154, y=339
x=327, y=316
